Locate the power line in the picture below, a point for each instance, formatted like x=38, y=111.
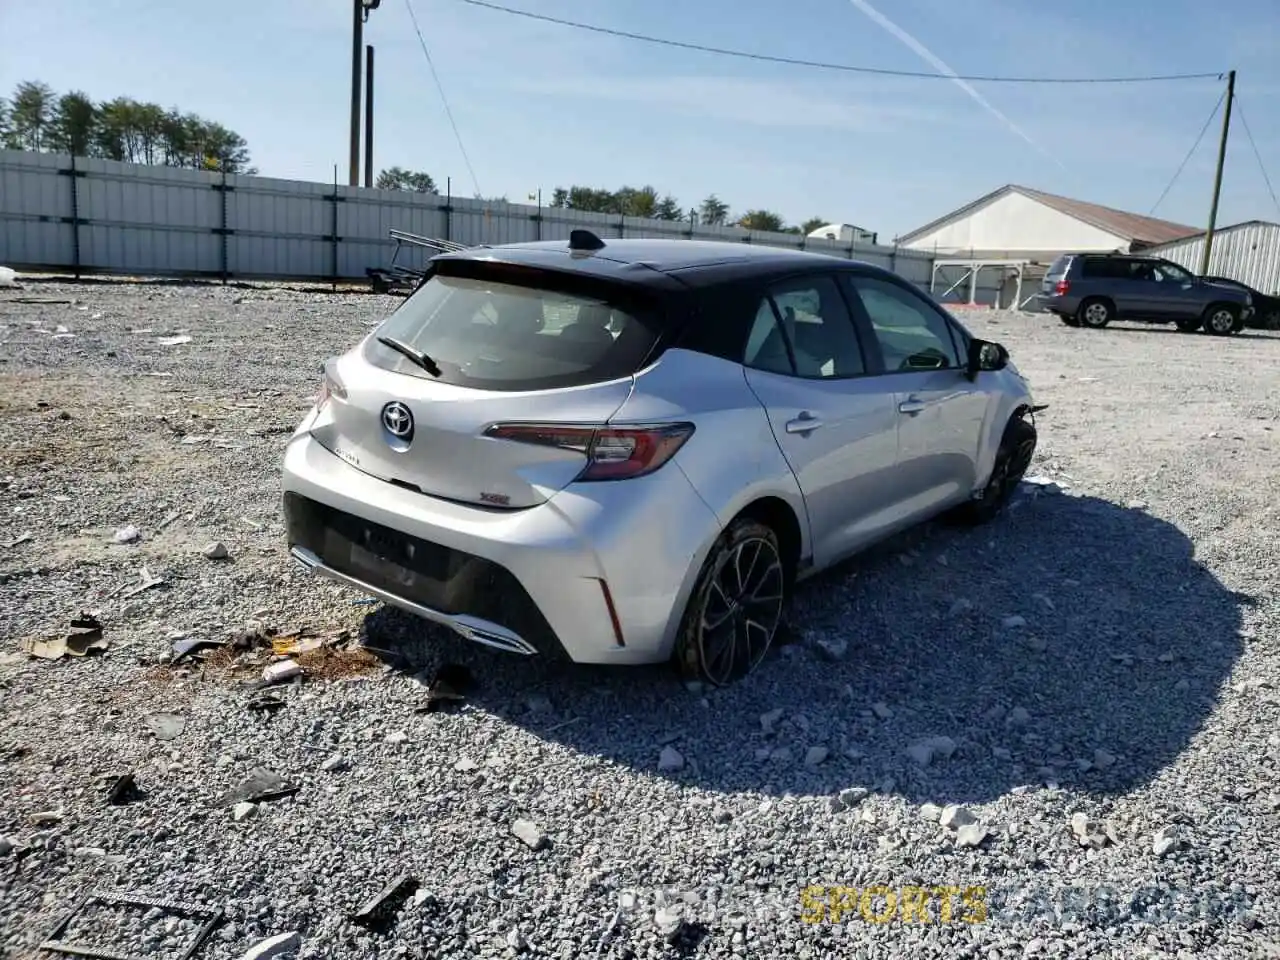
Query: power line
x=1253, y=143
x=821, y=65
x=443, y=99
x=1177, y=173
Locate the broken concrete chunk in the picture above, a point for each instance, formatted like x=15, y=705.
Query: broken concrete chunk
x=166, y=726
x=282, y=671
x=955, y=816
x=217, y=550
x=528, y=833
x=243, y=810
x=931, y=812
x=128, y=534
x=971, y=835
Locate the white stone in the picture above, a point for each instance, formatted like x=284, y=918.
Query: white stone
x=670, y=760
x=243, y=811
x=955, y=816
x=283, y=945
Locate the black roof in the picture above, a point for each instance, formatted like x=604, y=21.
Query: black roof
x=693, y=263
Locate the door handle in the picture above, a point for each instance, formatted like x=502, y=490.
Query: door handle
x=912, y=405
x=803, y=423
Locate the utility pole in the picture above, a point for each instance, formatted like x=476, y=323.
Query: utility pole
x=1217, y=177
x=368, y=115
x=359, y=14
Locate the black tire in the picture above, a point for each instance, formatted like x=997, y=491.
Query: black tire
x=1096, y=312
x=1069, y=320
x=1271, y=321
x=1017, y=447
x=744, y=629
x=1188, y=324
x=1220, y=319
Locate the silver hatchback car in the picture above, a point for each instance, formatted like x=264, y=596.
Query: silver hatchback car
x=630, y=451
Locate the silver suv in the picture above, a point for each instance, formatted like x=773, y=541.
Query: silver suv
x=630, y=452
x=1092, y=289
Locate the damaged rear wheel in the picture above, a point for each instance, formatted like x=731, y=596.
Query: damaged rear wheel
x=736, y=606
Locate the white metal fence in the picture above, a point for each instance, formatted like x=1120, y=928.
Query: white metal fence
x=101, y=216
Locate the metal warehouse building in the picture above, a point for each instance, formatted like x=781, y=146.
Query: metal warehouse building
x=1248, y=252
x=1012, y=234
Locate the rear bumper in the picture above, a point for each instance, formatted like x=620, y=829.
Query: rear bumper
x=595, y=563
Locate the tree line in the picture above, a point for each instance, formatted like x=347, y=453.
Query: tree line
x=39, y=119
x=627, y=202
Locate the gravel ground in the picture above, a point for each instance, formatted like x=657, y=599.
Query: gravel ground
x=1092, y=680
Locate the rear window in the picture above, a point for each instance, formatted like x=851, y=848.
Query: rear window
x=532, y=335
x=1059, y=267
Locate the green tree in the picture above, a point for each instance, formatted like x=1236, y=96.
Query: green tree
x=397, y=178
x=75, y=125
x=560, y=198
x=225, y=150
x=117, y=133
x=762, y=220
x=812, y=224
x=31, y=114
x=714, y=212
x=668, y=209
x=6, y=131
x=636, y=202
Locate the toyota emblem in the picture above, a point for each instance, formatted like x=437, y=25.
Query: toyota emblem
x=398, y=420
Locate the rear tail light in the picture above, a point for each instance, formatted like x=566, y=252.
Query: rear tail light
x=330, y=386
x=1061, y=288
x=613, y=453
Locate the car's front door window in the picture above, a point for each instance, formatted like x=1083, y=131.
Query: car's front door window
x=912, y=336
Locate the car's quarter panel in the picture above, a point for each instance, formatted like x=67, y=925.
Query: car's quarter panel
x=636, y=536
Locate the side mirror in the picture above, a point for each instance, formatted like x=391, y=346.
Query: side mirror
x=985, y=356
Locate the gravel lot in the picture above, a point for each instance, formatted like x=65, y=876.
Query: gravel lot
x=1108, y=649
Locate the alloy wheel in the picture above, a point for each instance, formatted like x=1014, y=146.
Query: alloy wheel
x=741, y=610
x=1221, y=320
x=1096, y=314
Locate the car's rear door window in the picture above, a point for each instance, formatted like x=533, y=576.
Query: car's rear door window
x=536, y=334
x=802, y=327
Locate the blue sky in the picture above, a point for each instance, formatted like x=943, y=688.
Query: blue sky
x=540, y=105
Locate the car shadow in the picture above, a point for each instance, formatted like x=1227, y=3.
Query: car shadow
x=1073, y=641
x=1131, y=326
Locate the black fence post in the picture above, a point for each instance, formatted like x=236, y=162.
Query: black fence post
x=448, y=209
x=74, y=175
x=333, y=237
x=221, y=230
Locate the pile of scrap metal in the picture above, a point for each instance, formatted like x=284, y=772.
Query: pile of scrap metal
x=398, y=277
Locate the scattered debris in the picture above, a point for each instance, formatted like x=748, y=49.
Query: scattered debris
x=148, y=582
x=190, y=645
x=931, y=812
x=123, y=789
x=449, y=686
x=217, y=550
x=10, y=544
x=85, y=638
x=379, y=911
x=288, y=646
x=770, y=720
x=128, y=534
x=282, y=671
x=173, y=341
x=260, y=786
x=166, y=726
x=528, y=833
x=281, y=945
x=211, y=917
x=335, y=764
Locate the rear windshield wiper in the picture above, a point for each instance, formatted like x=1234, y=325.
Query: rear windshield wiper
x=417, y=356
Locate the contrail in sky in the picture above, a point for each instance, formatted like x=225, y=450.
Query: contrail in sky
x=924, y=53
